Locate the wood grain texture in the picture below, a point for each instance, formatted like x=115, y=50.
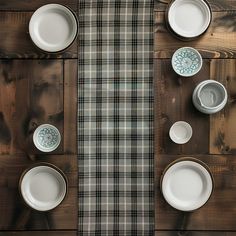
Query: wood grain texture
x=39, y=233
x=194, y=233
x=25, y=5
x=216, y=5
x=209, y=217
x=173, y=102
x=222, y=124
x=70, y=106
x=217, y=42
x=31, y=93
x=16, y=42
x=17, y=216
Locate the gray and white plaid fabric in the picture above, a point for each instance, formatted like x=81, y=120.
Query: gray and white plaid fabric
x=115, y=118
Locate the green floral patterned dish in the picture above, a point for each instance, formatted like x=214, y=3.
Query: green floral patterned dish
x=187, y=61
x=46, y=138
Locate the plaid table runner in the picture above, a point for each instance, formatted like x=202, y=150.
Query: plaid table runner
x=115, y=118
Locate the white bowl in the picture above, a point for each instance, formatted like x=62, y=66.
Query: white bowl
x=189, y=18
x=43, y=187
x=180, y=132
x=46, y=138
x=53, y=27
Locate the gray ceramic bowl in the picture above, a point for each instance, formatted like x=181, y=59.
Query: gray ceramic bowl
x=210, y=97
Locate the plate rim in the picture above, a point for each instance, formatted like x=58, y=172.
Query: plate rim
x=47, y=164
x=76, y=34
x=179, y=36
x=39, y=146
x=194, y=160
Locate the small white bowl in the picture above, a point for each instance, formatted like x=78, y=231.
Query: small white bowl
x=187, y=184
x=186, y=61
x=46, y=138
x=180, y=132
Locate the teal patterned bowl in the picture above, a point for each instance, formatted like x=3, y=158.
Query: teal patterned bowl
x=46, y=138
x=187, y=61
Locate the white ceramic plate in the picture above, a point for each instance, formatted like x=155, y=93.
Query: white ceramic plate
x=43, y=188
x=187, y=185
x=189, y=18
x=53, y=27
x=180, y=132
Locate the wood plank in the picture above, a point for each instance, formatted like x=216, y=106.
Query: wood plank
x=70, y=106
x=31, y=93
x=25, y=5
x=208, y=217
x=217, y=42
x=39, y=233
x=216, y=5
x=17, y=216
x=16, y=42
x=222, y=124
x=194, y=233
x=173, y=97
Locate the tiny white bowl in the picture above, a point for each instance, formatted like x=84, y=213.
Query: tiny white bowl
x=46, y=138
x=180, y=132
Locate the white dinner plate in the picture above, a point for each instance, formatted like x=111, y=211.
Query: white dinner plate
x=43, y=187
x=186, y=185
x=181, y=132
x=189, y=18
x=53, y=27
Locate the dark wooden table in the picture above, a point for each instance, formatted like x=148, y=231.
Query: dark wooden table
x=35, y=88
x=214, y=137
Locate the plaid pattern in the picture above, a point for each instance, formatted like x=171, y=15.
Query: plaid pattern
x=115, y=118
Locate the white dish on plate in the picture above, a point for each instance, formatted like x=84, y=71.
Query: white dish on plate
x=43, y=187
x=187, y=185
x=180, y=132
x=46, y=138
x=53, y=27
x=189, y=18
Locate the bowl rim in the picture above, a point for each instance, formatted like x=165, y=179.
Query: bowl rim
x=208, y=82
